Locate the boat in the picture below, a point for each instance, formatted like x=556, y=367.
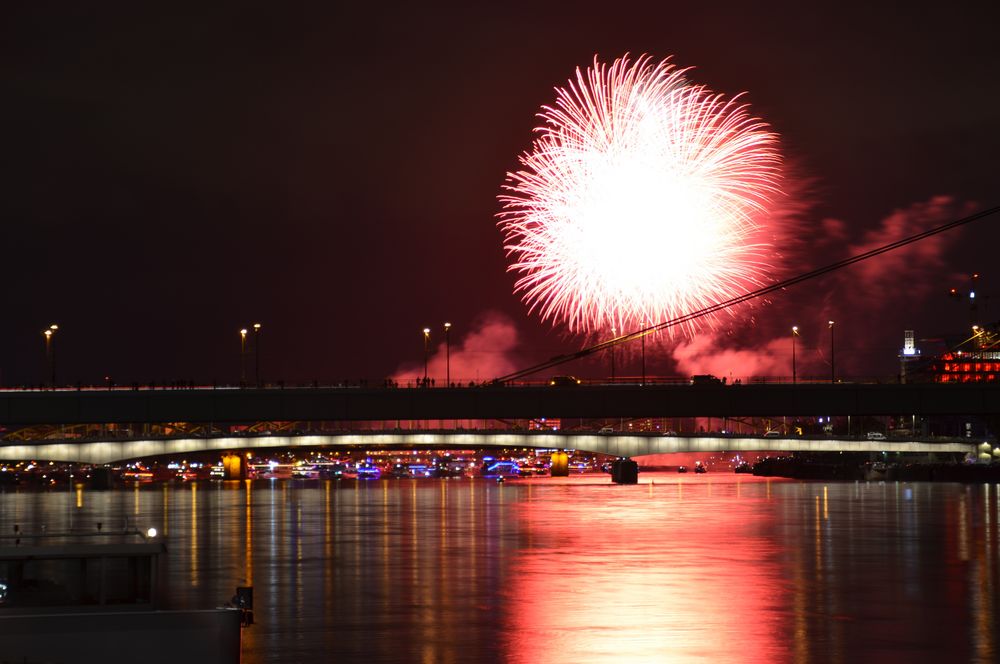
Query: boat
x=874, y=472
x=305, y=472
x=447, y=466
x=368, y=471
x=399, y=471
x=500, y=468
x=331, y=471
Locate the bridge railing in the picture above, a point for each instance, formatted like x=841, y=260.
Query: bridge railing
x=435, y=383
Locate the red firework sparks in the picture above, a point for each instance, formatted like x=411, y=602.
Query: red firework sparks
x=643, y=198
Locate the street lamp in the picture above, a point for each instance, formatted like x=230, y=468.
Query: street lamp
x=795, y=333
x=256, y=351
x=614, y=335
x=427, y=341
x=643, y=339
x=833, y=373
x=447, y=354
x=243, y=356
x=50, y=353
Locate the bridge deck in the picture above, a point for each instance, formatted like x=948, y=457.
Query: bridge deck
x=587, y=401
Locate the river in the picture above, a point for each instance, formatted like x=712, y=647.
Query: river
x=679, y=568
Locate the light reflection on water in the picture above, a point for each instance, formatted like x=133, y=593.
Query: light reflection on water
x=679, y=568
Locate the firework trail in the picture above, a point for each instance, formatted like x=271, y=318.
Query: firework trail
x=644, y=197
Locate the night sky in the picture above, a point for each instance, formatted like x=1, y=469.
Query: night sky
x=171, y=176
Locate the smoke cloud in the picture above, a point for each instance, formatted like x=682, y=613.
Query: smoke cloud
x=706, y=354
x=908, y=274
x=871, y=303
x=486, y=351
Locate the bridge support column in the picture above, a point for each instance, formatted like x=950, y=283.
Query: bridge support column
x=233, y=467
x=560, y=464
x=624, y=471
x=101, y=478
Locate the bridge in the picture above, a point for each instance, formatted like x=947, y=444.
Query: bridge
x=353, y=404
x=622, y=445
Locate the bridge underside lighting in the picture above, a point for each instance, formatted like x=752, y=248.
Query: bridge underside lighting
x=626, y=445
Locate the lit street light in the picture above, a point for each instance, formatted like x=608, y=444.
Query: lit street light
x=427, y=342
x=833, y=373
x=447, y=354
x=243, y=357
x=612, y=349
x=795, y=333
x=643, y=340
x=50, y=353
x=256, y=351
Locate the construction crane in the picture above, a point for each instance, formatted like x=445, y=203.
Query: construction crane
x=973, y=297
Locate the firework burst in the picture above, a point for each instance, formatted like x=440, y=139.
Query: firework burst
x=643, y=198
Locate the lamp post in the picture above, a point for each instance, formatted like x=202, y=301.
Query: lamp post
x=50, y=353
x=427, y=342
x=243, y=356
x=447, y=354
x=256, y=352
x=643, y=339
x=612, y=349
x=833, y=372
x=795, y=333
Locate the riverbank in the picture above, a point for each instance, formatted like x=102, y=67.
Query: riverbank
x=812, y=468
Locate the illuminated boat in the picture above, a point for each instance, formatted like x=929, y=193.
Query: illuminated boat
x=305, y=472
x=331, y=471
x=500, y=468
x=368, y=470
x=447, y=466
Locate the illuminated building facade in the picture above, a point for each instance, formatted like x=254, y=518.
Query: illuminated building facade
x=974, y=360
x=970, y=366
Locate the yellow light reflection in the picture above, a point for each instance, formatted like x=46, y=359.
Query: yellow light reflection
x=166, y=510
x=248, y=527
x=193, y=553
x=818, y=544
x=963, y=528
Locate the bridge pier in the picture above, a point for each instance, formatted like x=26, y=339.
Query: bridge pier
x=233, y=467
x=559, y=464
x=624, y=471
x=101, y=478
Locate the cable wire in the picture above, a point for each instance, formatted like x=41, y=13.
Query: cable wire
x=781, y=285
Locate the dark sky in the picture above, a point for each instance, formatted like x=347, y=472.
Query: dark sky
x=171, y=176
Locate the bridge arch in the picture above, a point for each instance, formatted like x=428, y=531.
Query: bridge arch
x=98, y=452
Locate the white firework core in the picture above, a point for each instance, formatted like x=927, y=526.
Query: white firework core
x=642, y=199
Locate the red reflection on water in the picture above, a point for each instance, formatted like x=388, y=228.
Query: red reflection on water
x=653, y=572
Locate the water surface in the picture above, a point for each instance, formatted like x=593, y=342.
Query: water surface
x=680, y=568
